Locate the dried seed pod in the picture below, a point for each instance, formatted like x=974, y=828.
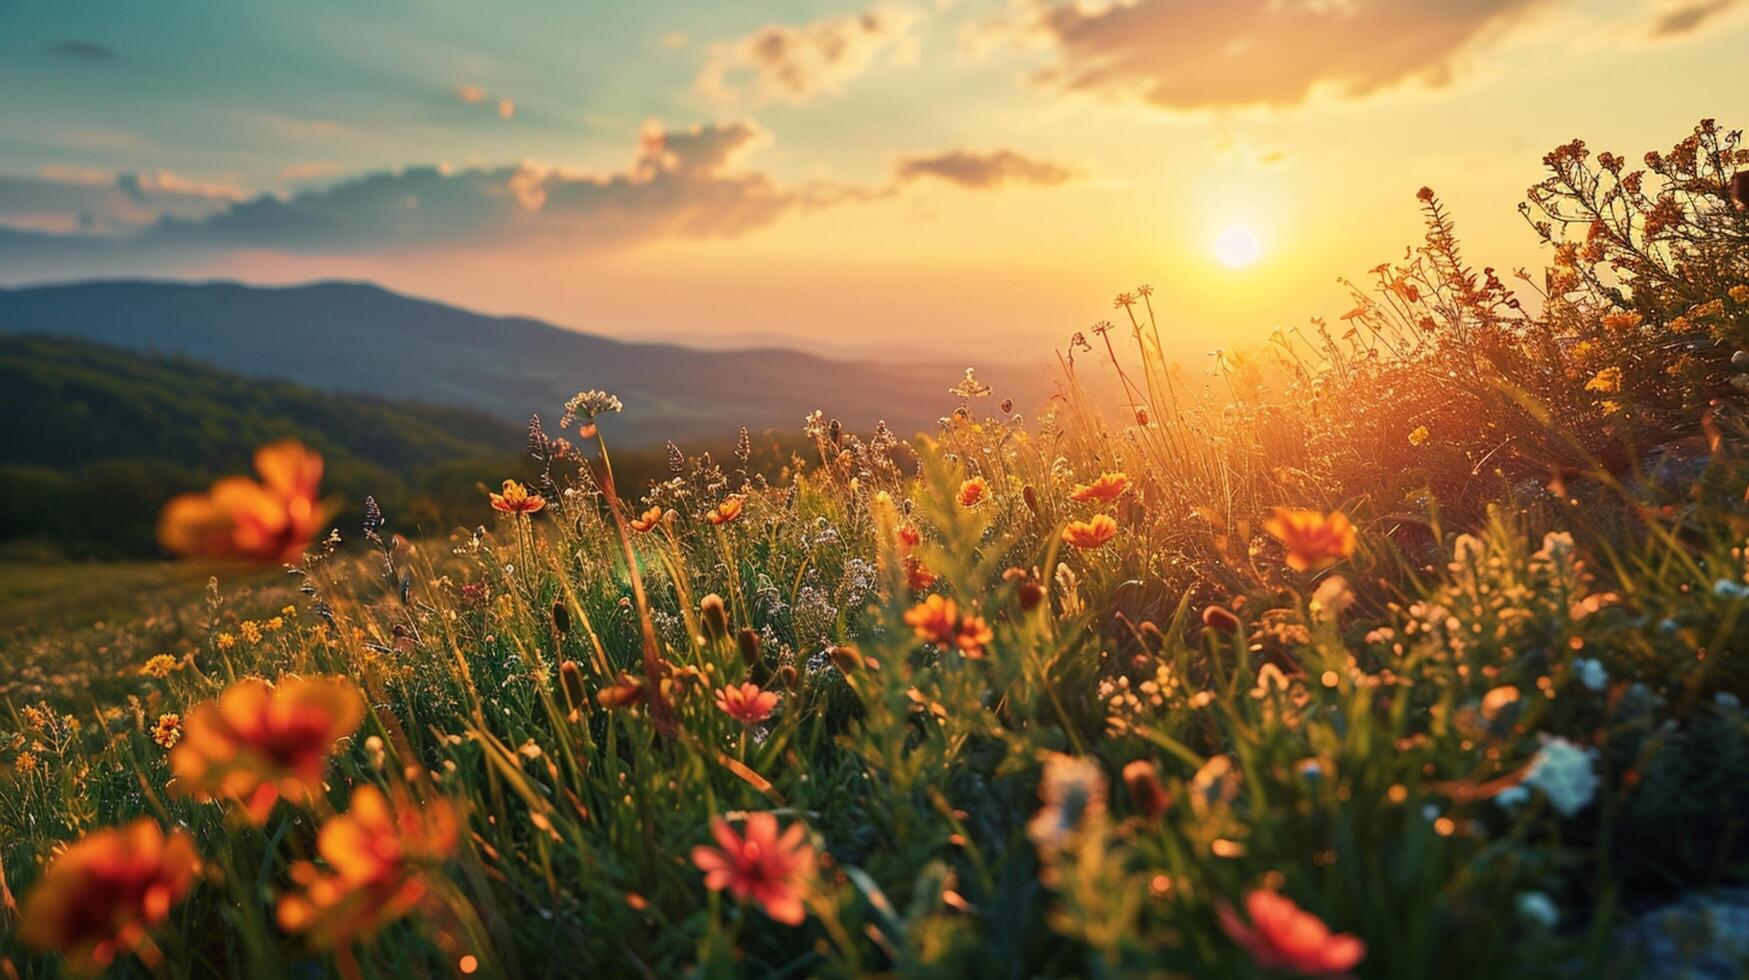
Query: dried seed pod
x=1146, y=792
x=714, y=615
x=1220, y=619
x=571, y=682
x=561, y=618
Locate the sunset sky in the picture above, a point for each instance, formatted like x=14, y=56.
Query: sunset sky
x=913, y=177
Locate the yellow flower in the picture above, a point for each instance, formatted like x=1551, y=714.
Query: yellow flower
x=1419, y=436
x=225, y=641
x=251, y=631
x=26, y=762
x=1605, y=382
x=161, y=666
x=168, y=731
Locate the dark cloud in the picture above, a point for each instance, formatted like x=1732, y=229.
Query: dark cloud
x=982, y=170
x=85, y=51
x=685, y=182
x=1212, y=54
x=797, y=64
x=98, y=202
x=1686, y=18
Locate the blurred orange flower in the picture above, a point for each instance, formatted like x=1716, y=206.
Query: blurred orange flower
x=378, y=853
x=624, y=692
x=239, y=518
x=1282, y=936
x=771, y=870
x=937, y=620
x=973, y=491
x=256, y=744
x=918, y=576
x=1107, y=488
x=1313, y=540
x=100, y=897
x=1092, y=533
x=746, y=703
x=516, y=499
x=648, y=520
x=726, y=511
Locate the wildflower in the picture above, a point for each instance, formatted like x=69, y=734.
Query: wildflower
x=1623, y=321
x=225, y=641
x=25, y=763
x=256, y=744
x=1419, y=436
x=624, y=692
x=918, y=576
x=726, y=511
x=937, y=620
x=973, y=491
x=746, y=703
x=586, y=405
x=1142, y=779
x=1091, y=533
x=516, y=499
x=1591, y=673
x=1313, y=540
x=909, y=537
x=1605, y=382
x=242, y=519
x=1105, y=489
x=101, y=897
x=1563, y=772
x=168, y=731
x=648, y=520
x=1739, y=294
x=1282, y=936
x=1072, y=789
x=377, y=853
x=160, y=666
x=251, y=631
x=759, y=865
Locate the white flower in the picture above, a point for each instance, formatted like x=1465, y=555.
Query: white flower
x=1730, y=589
x=1563, y=772
x=1590, y=672
x=1537, y=907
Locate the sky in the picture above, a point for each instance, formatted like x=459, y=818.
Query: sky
x=905, y=179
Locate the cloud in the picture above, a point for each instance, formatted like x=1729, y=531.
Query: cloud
x=982, y=170
x=78, y=50
x=1686, y=17
x=799, y=64
x=97, y=202
x=475, y=95
x=690, y=182
x=1217, y=54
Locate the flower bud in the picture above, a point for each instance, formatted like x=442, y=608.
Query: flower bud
x=1220, y=619
x=715, y=616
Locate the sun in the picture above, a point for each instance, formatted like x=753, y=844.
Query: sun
x=1237, y=247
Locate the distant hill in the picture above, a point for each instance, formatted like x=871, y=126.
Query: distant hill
x=97, y=438
x=360, y=338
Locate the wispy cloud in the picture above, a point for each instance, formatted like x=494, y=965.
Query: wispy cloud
x=80, y=50
x=1688, y=16
x=982, y=170
x=475, y=95
x=93, y=202
x=1214, y=54
x=798, y=64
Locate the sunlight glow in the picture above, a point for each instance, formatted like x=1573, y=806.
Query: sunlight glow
x=1237, y=247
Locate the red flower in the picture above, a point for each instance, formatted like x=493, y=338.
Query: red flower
x=747, y=704
x=1282, y=936
x=102, y=895
x=973, y=491
x=1092, y=533
x=770, y=870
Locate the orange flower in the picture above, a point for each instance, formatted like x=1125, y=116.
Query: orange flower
x=918, y=576
x=168, y=731
x=516, y=499
x=937, y=620
x=1090, y=534
x=378, y=853
x=747, y=704
x=726, y=511
x=625, y=691
x=1282, y=936
x=256, y=744
x=1107, y=488
x=973, y=491
x=1313, y=540
x=241, y=519
x=771, y=870
x=648, y=520
x=101, y=896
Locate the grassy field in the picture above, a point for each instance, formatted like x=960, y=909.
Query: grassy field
x=1414, y=654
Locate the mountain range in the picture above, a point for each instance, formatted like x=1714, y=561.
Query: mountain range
x=363, y=339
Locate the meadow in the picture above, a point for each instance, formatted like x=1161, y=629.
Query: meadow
x=1413, y=652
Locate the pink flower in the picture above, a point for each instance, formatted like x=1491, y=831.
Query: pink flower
x=761, y=867
x=746, y=703
x=1282, y=936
